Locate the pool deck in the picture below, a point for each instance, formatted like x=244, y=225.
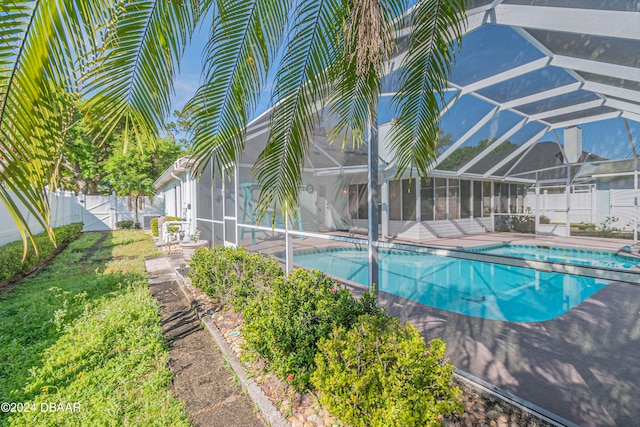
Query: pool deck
x=582, y=366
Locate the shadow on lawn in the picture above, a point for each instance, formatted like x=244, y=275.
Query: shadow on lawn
x=35, y=313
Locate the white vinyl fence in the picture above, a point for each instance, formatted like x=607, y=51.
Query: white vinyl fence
x=98, y=213
x=65, y=209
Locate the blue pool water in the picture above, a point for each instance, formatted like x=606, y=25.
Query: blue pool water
x=472, y=288
x=600, y=259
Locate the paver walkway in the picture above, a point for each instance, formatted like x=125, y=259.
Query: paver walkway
x=202, y=379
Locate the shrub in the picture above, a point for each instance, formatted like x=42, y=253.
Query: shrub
x=284, y=323
x=154, y=225
x=232, y=275
x=125, y=225
x=11, y=262
x=381, y=374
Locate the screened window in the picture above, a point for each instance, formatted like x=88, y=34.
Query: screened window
x=501, y=193
x=486, y=199
x=477, y=199
x=402, y=200
x=441, y=198
x=358, y=201
x=513, y=198
x=454, y=199
x=408, y=200
x=465, y=199
x=395, y=200
x=426, y=199
x=353, y=201
x=363, y=212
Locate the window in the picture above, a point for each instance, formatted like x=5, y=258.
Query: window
x=409, y=200
x=465, y=199
x=501, y=192
x=363, y=212
x=454, y=199
x=486, y=199
x=358, y=201
x=395, y=200
x=426, y=199
x=353, y=201
x=441, y=198
x=513, y=198
x=402, y=200
x=477, y=199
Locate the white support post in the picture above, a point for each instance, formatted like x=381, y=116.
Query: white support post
x=568, y=196
x=635, y=201
x=223, y=178
x=288, y=244
x=472, y=202
x=372, y=205
x=537, y=208
x=493, y=204
x=236, y=198
x=385, y=208
x=418, y=199
x=114, y=208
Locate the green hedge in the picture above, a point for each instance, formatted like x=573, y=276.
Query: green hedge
x=154, y=225
x=379, y=373
x=285, y=322
x=232, y=275
x=310, y=331
x=125, y=225
x=11, y=262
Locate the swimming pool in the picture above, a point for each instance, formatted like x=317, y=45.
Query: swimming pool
x=600, y=259
x=472, y=288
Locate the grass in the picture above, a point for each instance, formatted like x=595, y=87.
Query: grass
x=85, y=333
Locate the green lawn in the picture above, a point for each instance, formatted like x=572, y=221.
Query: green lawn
x=81, y=344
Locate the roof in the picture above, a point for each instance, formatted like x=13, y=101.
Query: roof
x=179, y=167
x=526, y=70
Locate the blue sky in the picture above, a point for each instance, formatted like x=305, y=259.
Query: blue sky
x=190, y=78
x=486, y=51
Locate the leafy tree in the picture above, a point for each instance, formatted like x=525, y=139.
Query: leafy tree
x=93, y=168
x=122, y=58
x=79, y=160
x=463, y=155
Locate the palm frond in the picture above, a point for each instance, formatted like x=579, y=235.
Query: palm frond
x=245, y=38
x=39, y=44
x=435, y=25
x=357, y=74
x=130, y=77
x=301, y=83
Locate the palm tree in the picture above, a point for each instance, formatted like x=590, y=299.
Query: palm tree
x=122, y=57
x=138, y=188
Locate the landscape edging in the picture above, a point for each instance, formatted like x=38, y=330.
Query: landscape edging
x=271, y=414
